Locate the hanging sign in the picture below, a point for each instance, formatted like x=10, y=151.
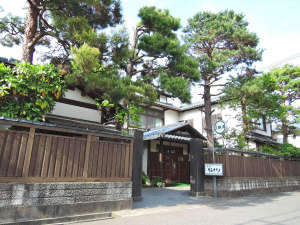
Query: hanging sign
x=220, y=127
x=214, y=169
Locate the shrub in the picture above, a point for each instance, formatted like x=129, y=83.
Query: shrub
x=284, y=150
x=29, y=91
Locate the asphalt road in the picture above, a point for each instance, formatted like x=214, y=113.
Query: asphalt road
x=176, y=207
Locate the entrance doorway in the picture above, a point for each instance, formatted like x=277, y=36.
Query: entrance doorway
x=171, y=164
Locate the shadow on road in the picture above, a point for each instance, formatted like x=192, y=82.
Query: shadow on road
x=164, y=197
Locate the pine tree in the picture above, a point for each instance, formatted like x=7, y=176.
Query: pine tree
x=287, y=86
x=220, y=42
x=156, y=56
x=67, y=21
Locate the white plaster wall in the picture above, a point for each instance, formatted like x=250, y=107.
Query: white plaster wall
x=267, y=132
x=229, y=116
x=196, y=115
x=62, y=109
x=76, y=95
x=171, y=117
x=291, y=140
x=77, y=112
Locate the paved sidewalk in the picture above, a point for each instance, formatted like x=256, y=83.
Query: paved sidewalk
x=174, y=206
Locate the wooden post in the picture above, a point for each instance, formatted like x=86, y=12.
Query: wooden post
x=137, y=165
x=161, y=166
x=196, y=167
x=87, y=154
x=28, y=152
x=227, y=164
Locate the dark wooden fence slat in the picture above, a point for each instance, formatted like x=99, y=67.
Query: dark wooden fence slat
x=100, y=158
x=14, y=155
x=65, y=154
x=53, y=153
x=21, y=156
x=109, y=160
x=40, y=156
x=28, y=152
x=104, y=164
x=6, y=154
x=58, y=161
x=130, y=158
x=114, y=160
x=46, y=158
x=81, y=158
x=87, y=153
x=118, y=159
x=95, y=160
x=70, y=163
x=34, y=153
x=76, y=158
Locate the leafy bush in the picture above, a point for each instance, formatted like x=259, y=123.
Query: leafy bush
x=29, y=91
x=158, y=182
x=284, y=150
x=146, y=179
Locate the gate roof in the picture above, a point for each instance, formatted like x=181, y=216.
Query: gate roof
x=181, y=131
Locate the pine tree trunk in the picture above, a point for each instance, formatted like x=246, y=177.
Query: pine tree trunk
x=130, y=66
x=284, y=123
x=244, y=115
x=28, y=47
x=207, y=111
x=285, y=132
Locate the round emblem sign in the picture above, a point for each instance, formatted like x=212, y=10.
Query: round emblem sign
x=220, y=127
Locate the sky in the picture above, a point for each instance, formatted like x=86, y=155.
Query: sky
x=276, y=22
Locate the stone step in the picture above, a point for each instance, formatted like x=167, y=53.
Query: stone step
x=60, y=220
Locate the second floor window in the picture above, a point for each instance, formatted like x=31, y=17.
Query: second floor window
x=152, y=118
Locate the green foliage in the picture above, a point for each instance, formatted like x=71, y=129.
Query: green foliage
x=11, y=30
x=105, y=84
x=29, y=91
x=60, y=24
x=130, y=114
x=157, y=57
x=285, y=82
x=254, y=96
x=284, y=150
x=158, y=182
x=221, y=43
x=145, y=179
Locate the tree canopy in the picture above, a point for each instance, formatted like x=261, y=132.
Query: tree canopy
x=62, y=23
x=130, y=75
x=157, y=57
x=220, y=42
x=286, y=82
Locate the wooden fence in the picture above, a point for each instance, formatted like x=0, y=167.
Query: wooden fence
x=31, y=156
x=237, y=164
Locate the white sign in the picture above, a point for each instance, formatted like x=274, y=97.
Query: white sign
x=214, y=169
x=220, y=127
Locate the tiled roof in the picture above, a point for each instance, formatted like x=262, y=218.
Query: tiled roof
x=109, y=132
x=186, y=106
x=165, y=132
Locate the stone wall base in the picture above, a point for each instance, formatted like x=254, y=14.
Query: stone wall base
x=234, y=187
x=36, y=201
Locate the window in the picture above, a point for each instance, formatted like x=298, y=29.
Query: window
x=163, y=99
x=260, y=124
x=151, y=119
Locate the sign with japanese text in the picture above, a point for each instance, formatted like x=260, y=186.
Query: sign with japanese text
x=214, y=169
